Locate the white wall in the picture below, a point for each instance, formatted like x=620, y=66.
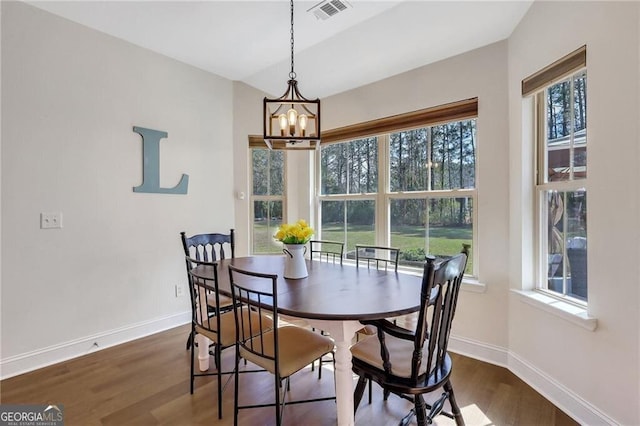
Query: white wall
x=600, y=368
x=247, y=111
x=70, y=99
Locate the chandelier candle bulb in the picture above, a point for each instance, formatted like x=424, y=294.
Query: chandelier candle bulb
x=283, y=123
x=293, y=119
x=302, y=119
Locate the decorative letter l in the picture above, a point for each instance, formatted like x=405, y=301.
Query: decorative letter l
x=151, y=164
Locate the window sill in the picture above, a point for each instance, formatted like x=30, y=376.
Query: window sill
x=572, y=313
x=473, y=285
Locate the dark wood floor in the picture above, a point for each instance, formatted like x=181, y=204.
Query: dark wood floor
x=146, y=382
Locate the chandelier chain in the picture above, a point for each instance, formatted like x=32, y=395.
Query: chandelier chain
x=292, y=74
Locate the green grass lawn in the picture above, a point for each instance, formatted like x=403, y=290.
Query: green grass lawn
x=442, y=240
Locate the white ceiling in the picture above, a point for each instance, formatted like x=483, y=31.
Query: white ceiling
x=249, y=41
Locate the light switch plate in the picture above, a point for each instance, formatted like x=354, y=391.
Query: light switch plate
x=179, y=290
x=50, y=220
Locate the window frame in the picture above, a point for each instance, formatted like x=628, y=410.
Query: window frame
x=536, y=86
x=382, y=129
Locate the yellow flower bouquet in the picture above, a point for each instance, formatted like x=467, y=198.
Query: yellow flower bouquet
x=294, y=233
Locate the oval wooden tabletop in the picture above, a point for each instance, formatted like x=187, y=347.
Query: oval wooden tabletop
x=331, y=291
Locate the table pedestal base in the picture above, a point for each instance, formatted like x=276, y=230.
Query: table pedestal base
x=342, y=332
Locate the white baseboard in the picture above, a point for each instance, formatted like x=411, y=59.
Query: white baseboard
x=479, y=350
x=576, y=407
x=23, y=363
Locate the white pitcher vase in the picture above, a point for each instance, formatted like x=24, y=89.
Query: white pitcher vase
x=294, y=265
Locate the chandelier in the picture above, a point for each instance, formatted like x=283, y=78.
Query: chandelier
x=291, y=121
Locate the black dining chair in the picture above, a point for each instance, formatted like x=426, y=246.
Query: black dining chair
x=282, y=351
x=209, y=248
x=380, y=257
x=327, y=250
x=220, y=328
x=411, y=363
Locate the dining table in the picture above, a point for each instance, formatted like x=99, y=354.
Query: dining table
x=334, y=297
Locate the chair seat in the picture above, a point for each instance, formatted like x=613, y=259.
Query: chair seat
x=289, y=320
x=224, y=300
x=297, y=347
x=228, y=324
x=400, y=354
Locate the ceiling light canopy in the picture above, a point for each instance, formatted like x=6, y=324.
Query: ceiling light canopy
x=291, y=121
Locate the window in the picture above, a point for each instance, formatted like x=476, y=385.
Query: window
x=561, y=182
x=267, y=199
x=349, y=184
x=413, y=189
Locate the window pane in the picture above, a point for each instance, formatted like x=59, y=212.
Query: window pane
x=438, y=226
x=566, y=214
x=566, y=145
x=453, y=155
x=333, y=160
x=333, y=220
x=409, y=231
x=360, y=223
x=276, y=173
x=260, y=162
x=267, y=220
x=349, y=168
x=558, y=130
x=409, y=161
x=363, y=166
x=580, y=101
x=576, y=212
x=351, y=222
x=580, y=124
x=558, y=110
x=268, y=172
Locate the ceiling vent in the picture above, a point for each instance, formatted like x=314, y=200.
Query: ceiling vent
x=329, y=8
